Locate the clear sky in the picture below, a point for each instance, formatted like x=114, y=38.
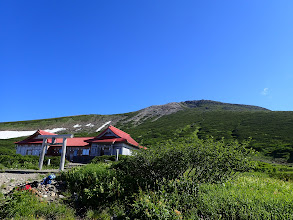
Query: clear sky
x=62, y=58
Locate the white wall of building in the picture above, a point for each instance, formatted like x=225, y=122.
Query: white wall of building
x=124, y=149
x=33, y=149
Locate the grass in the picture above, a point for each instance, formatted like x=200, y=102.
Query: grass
x=26, y=205
x=250, y=196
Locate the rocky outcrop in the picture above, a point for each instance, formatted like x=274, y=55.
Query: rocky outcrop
x=154, y=112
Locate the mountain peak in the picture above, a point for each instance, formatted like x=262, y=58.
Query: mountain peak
x=214, y=105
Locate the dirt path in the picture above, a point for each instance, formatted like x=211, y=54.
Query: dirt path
x=12, y=178
x=9, y=180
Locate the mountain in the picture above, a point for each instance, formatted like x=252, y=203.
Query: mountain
x=94, y=122
x=271, y=131
x=209, y=105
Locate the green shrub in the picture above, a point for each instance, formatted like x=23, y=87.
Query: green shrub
x=264, y=167
x=95, y=184
x=27, y=162
x=19, y=161
x=54, y=161
x=100, y=159
x=2, y=167
x=165, y=177
x=170, y=200
x=25, y=205
x=7, y=146
x=247, y=197
x=282, y=172
x=151, y=205
x=286, y=176
x=202, y=161
x=96, y=214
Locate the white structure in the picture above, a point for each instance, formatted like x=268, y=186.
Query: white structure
x=45, y=145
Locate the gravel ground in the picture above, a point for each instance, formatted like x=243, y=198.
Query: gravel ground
x=9, y=180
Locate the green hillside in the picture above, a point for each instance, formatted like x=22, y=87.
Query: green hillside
x=270, y=131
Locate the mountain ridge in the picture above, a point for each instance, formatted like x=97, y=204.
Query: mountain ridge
x=91, y=122
x=270, y=132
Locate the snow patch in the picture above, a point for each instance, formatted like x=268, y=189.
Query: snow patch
x=15, y=134
x=100, y=128
x=77, y=126
x=55, y=130
x=90, y=125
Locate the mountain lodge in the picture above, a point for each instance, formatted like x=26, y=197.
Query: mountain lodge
x=81, y=149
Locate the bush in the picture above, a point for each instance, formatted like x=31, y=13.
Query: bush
x=202, y=161
x=25, y=205
x=151, y=205
x=54, y=161
x=101, y=159
x=171, y=200
x=278, y=171
x=95, y=184
x=264, y=167
x=19, y=161
x=286, y=176
x=158, y=183
x=28, y=161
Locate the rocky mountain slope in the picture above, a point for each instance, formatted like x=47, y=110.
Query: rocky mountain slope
x=94, y=123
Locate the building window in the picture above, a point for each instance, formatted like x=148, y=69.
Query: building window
x=85, y=151
x=107, y=151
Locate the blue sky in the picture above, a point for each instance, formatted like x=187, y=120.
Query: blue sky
x=62, y=58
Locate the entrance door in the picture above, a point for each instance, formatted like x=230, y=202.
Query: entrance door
x=71, y=157
x=102, y=152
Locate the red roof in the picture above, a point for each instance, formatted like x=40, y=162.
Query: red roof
x=79, y=141
x=119, y=137
x=110, y=140
x=122, y=137
x=32, y=139
x=72, y=142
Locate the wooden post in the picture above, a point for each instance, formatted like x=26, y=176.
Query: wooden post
x=63, y=153
x=41, y=160
x=117, y=154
